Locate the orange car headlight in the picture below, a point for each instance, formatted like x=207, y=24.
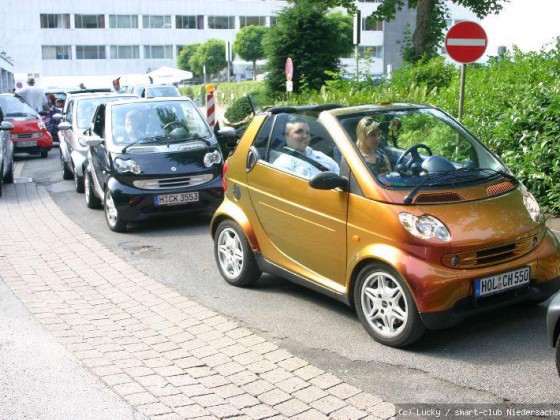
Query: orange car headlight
x=424, y=227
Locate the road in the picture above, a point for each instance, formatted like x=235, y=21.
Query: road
x=499, y=357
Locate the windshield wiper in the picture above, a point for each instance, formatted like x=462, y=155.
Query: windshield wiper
x=140, y=140
x=444, y=177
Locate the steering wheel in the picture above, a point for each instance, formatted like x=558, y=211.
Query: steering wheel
x=415, y=158
x=173, y=124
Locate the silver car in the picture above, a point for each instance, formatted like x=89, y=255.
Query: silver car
x=553, y=324
x=76, y=119
x=6, y=152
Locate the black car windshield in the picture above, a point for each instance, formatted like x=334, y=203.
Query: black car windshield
x=419, y=147
x=157, y=122
x=16, y=107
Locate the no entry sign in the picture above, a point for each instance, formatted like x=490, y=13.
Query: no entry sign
x=289, y=69
x=466, y=42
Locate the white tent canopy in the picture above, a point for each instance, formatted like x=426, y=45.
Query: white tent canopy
x=167, y=75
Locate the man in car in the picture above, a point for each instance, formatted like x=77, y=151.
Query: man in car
x=134, y=128
x=298, y=157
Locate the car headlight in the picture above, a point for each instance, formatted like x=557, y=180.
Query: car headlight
x=41, y=125
x=212, y=158
x=531, y=205
x=424, y=227
x=128, y=165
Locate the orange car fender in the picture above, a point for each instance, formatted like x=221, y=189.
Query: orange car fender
x=229, y=210
x=389, y=255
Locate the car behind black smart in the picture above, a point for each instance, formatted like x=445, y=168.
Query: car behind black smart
x=149, y=158
x=553, y=326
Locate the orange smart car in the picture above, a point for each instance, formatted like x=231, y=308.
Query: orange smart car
x=395, y=209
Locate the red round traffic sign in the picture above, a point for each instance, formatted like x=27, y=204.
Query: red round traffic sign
x=466, y=42
x=289, y=69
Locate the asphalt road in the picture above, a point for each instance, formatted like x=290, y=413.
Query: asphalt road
x=496, y=358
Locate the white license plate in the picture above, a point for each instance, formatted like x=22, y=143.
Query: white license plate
x=501, y=282
x=173, y=199
x=26, y=144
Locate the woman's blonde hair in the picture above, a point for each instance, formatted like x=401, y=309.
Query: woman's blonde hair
x=365, y=127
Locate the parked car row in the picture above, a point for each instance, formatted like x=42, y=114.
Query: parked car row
x=6, y=152
x=394, y=209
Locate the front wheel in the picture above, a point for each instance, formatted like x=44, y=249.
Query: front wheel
x=9, y=178
x=385, y=306
x=78, y=182
x=45, y=154
x=558, y=355
x=65, y=169
x=234, y=255
x=91, y=199
x=115, y=222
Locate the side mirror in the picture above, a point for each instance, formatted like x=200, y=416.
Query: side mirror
x=91, y=141
x=328, y=181
x=227, y=139
x=6, y=126
x=57, y=116
x=64, y=125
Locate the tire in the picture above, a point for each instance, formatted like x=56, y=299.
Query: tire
x=91, y=199
x=234, y=255
x=558, y=355
x=385, y=306
x=9, y=178
x=45, y=154
x=78, y=182
x=115, y=222
x=1, y=181
x=65, y=169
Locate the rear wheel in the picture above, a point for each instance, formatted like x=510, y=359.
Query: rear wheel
x=44, y=154
x=558, y=355
x=234, y=255
x=115, y=222
x=1, y=181
x=65, y=169
x=9, y=177
x=78, y=182
x=91, y=199
x=385, y=306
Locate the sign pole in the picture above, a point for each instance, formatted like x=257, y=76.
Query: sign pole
x=462, y=90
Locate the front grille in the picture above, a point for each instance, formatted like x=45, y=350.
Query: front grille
x=172, y=183
x=495, y=255
x=436, y=198
x=23, y=136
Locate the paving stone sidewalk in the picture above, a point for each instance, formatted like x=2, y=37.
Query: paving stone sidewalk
x=163, y=353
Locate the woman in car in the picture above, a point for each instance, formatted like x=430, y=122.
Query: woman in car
x=369, y=137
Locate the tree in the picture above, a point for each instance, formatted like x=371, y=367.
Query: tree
x=248, y=44
x=313, y=40
x=185, y=55
x=211, y=54
x=430, y=19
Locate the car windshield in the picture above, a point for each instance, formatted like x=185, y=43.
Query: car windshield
x=16, y=107
x=157, y=122
x=419, y=147
x=156, y=91
x=86, y=108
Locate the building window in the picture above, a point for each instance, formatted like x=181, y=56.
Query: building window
x=123, y=52
x=186, y=22
x=252, y=20
x=56, y=52
x=90, y=52
x=221, y=22
x=156, y=22
x=123, y=21
x=371, y=1
x=158, y=51
x=367, y=52
x=273, y=20
x=369, y=24
x=89, y=21
x=55, y=21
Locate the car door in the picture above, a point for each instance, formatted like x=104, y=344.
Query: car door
x=301, y=229
x=99, y=157
x=66, y=136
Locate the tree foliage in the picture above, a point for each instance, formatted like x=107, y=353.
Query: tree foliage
x=313, y=40
x=430, y=19
x=248, y=44
x=185, y=55
x=211, y=54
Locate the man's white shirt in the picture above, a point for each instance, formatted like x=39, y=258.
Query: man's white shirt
x=305, y=169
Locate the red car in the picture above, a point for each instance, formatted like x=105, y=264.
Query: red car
x=29, y=134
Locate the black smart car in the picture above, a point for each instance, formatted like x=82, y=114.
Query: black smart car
x=149, y=158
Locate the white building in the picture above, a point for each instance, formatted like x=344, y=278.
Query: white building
x=65, y=42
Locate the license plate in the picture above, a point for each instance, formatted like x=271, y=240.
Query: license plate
x=173, y=199
x=26, y=144
x=502, y=282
